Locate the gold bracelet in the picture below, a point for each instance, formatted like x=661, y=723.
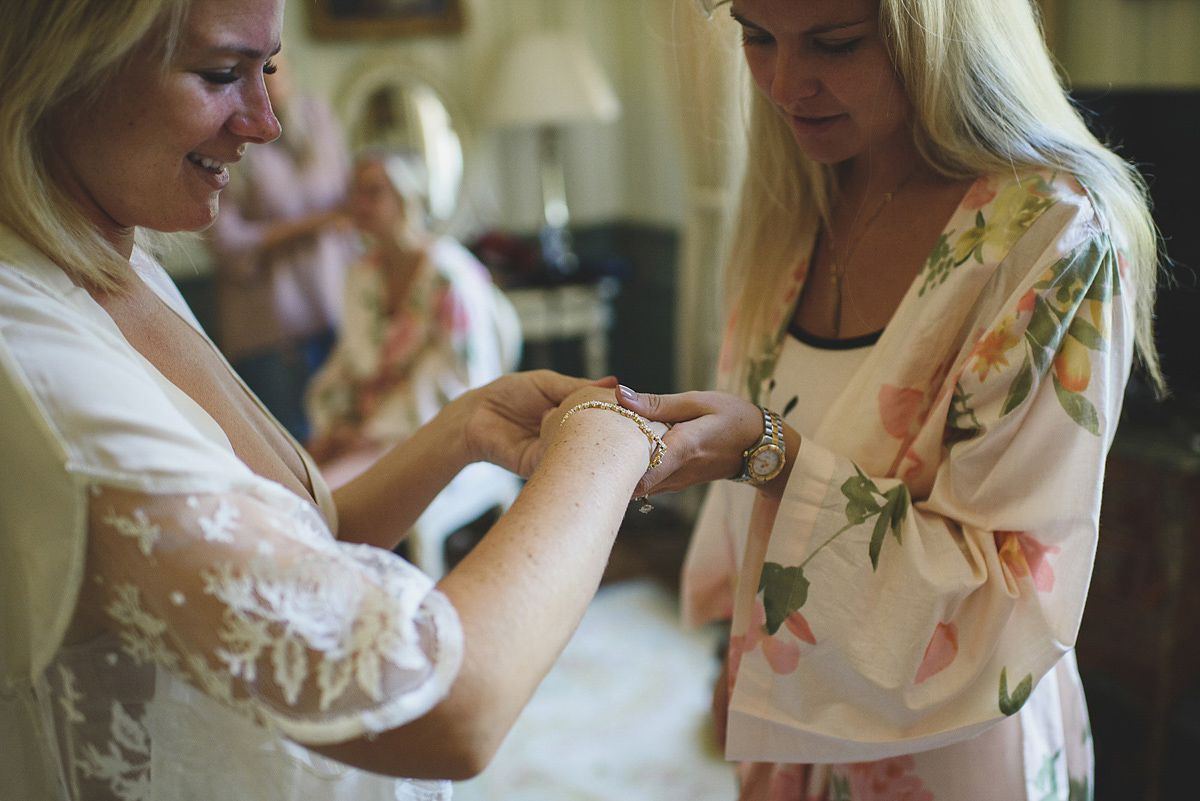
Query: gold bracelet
x=659, y=447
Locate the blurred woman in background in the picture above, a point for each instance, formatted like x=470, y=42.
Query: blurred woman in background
x=280, y=249
x=423, y=323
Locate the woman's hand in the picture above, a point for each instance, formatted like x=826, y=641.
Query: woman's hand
x=504, y=418
x=710, y=432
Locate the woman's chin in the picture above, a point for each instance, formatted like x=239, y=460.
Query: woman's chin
x=198, y=219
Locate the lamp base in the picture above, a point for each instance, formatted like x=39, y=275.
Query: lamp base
x=560, y=261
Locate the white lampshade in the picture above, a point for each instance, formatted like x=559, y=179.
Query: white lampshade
x=550, y=78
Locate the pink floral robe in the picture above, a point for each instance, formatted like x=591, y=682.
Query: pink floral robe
x=904, y=618
x=390, y=374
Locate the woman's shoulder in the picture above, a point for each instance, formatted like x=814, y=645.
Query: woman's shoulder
x=26, y=269
x=1025, y=192
x=1002, y=207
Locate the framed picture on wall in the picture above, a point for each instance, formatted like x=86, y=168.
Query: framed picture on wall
x=348, y=19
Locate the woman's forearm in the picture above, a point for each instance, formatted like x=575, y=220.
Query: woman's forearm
x=520, y=593
x=381, y=505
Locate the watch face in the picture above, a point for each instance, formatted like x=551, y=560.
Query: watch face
x=766, y=461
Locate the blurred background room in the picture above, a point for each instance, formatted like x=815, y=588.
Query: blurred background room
x=587, y=154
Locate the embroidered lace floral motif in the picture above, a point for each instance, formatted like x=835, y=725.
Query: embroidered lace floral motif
x=248, y=598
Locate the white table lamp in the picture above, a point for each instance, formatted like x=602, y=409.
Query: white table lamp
x=548, y=80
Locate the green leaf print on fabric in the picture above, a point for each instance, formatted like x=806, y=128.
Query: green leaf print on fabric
x=961, y=422
x=1010, y=705
x=760, y=369
x=861, y=493
x=1019, y=389
x=1012, y=210
x=1079, y=790
x=784, y=589
x=1047, y=778
x=1087, y=334
x=1043, y=332
x=1081, y=410
x=839, y=787
x=1068, y=310
x=1060, y=335
x=939, y=265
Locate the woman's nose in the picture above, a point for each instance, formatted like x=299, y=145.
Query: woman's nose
x=255, y=121
x=792, y=79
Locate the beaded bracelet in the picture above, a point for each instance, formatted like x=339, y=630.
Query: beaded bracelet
x=659, y=446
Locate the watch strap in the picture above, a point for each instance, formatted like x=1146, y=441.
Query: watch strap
x=772, y=436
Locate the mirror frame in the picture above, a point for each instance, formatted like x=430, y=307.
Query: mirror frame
x=381, y=69
x=445, y=19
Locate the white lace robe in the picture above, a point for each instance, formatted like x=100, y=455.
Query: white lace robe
x=245, y=628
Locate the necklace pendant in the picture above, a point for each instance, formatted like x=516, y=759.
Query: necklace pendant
x=835, y=302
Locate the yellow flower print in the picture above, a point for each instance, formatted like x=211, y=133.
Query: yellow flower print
x=1002, y=215
x=969, y=241
x=991, y=350
x=1014, y=209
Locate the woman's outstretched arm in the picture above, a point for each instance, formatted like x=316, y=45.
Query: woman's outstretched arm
x=520, y=594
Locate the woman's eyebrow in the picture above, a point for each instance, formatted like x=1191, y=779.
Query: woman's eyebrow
x=816, y=30
x=742, y=20
x=251, y=53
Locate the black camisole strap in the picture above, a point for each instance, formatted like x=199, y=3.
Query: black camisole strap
x=823, y=343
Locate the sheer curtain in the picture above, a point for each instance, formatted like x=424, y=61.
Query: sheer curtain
x=706, y=75
x=1126, y=45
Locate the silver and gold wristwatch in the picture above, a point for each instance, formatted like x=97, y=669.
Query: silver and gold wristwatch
x=764, y=460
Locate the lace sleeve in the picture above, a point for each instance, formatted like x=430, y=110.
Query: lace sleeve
x=248, y=597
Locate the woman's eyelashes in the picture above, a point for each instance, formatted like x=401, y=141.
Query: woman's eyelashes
x=837, y=47
x=219, y=77
x=755, y=37
x=222, y=77
x=752, y=37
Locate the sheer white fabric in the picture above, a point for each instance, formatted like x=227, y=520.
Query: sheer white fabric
x=240, y=626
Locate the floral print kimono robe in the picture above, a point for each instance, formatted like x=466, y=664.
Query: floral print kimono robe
x=904, y=617
x=391, y=373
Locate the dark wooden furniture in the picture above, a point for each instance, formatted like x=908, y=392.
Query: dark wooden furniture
x=1139, y=643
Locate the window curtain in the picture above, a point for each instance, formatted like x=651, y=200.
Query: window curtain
x=706, y=76
x=1126, y=44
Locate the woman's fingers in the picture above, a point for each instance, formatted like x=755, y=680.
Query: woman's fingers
x=710, y=432
x=558, y=387
x=664, y=408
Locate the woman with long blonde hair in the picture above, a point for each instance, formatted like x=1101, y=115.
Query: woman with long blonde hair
x=939, y=279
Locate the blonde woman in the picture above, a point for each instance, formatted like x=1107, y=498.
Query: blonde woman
x=939, y=282
x=422, y=324
x=186, y=610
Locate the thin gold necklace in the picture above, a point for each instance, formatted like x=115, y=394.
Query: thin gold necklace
x=837, y=269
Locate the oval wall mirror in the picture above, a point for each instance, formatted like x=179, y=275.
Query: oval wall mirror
x=389, y=104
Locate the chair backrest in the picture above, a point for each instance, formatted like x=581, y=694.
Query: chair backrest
x=494, y=330
x=508, y=330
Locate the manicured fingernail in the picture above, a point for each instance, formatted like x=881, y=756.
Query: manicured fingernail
x=626, y=393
